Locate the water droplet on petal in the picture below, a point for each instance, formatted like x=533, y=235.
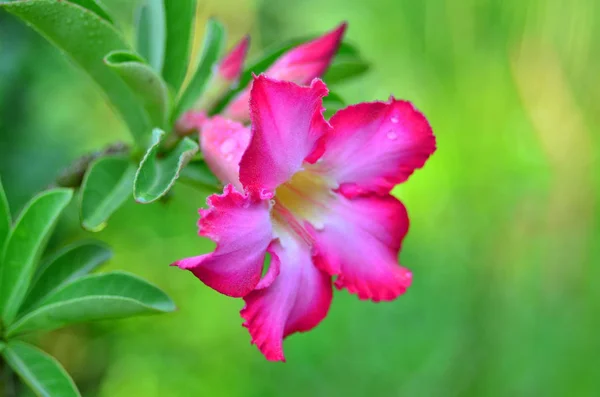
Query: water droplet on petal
x=228, y=146
x=394, y=119
x=392, y=135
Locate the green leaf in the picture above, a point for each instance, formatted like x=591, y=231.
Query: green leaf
x=345, y=69
x=180, y=23
x=333, y=100
x=149, y=87
x=96, y=297
x=123, y=13
x=347, y=50
x=5, y=219
x=71, y=263
x=106, y=186
x=38, y=370
x=94, y=7
x=150, y=33
x=214, y=40
x=332, y=103
x=86, y=38
x=155, y=176
x=198, y=174
x=24, y=246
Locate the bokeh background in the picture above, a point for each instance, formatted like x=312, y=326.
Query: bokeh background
x=505, y=232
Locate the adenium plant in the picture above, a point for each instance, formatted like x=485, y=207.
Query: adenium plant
x=285, y=180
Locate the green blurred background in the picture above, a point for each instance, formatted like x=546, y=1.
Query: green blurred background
x=505, y=227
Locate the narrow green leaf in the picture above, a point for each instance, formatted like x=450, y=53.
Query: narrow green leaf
x=123, y=13
x=198, y=174
x=96, y=297
x=40, y=371
x=106, y=186
x=24, y=246
x=333, y=100
x=150, y=35
x=71, y=263
x=2, y=346
x=86, y=38
x=345, y=69
x=5, y=219
x=332, y=103
x=95, y=7
x=180, y=24
x=214, y=41
x=148, y=86
x=347, y=50
x=155, y=176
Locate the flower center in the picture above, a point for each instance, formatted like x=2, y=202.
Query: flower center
x=303, y=198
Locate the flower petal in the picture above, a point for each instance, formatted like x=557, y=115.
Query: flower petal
x=376, y=146
x=231, y=66
x=287, y=125
x=241, y=227
x=223, y=143
x=359, y=242
x=190, y=122
x=239, y=107
x=296, y=301
x=299, y=65
x=309, y=60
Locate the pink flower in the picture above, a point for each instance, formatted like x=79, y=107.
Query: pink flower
x=299, y=65
x=316, y=197
x=190, y=122
x=230, y=67
x=226, y=74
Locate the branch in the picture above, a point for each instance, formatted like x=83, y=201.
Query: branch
x=72, y=176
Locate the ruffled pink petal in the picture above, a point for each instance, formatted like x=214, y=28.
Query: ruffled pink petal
x=299, y=65
x=375, y=146
x=287, y=126
x=231, y=66
x=223, y=142
x=241, y=227
x=296, y=301
x=359, y=242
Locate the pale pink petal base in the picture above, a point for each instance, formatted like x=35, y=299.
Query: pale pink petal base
x=223, y=142
x=239, y=107
x=242, y=230
x=296, y=301
x=359, y=243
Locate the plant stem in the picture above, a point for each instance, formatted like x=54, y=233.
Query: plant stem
x=8, y=381
x=72, y=176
